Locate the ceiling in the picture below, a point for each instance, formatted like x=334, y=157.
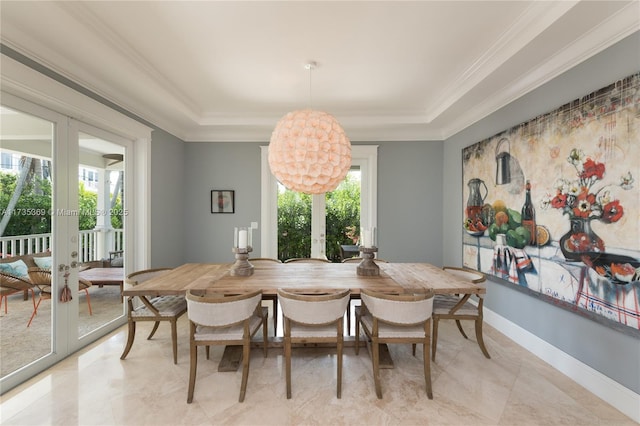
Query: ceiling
x=228, y=71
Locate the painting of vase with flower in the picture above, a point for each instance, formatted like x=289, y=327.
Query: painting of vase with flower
x=571, y=235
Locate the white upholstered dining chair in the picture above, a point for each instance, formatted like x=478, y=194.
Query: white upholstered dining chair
x=387, y=318
x=313, y=318
x=269, y=298
x=218, y=319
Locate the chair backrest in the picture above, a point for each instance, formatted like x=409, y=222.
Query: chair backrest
x=471, y=275
x=139, y=277
x=313, y=308
x=40, y=276
x=217, y=310
x=307, y=260
x=264, y=259
x=403, y=309
x=359, y=259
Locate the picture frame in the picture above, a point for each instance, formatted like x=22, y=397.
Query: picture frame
x=223, y=201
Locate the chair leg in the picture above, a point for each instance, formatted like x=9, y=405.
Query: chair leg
x=265, y=337
x=461, y=330
x=357, y=331
x=287, y=356
x=427, y=368
x=340, y=345
x=5, y=303
x=413, y=349
x=479, y=338
x=86, y=291
x=130, y=337
x=193, y=363
x=245, y=368
x=153, y=331
x=275, y=317
x=174, y=339
x=35, y=311
x=349, y=318
x=33, y=298
x=375, y=349
x=434, y=343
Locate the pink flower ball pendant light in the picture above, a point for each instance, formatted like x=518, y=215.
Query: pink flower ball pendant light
x=309, y=151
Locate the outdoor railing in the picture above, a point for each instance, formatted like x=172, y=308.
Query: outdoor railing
x=19, y=245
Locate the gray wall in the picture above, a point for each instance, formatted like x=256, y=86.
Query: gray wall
x=167, y=200
x=223, y=166
x=612, y=353
x=409, y=194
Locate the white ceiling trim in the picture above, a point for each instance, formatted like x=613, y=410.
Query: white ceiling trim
x=537, y=18
x=121, y=47
x=619, y=26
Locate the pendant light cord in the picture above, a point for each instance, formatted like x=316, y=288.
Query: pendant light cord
x=310, y=66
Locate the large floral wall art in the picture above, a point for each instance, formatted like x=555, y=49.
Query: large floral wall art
x=552, y=206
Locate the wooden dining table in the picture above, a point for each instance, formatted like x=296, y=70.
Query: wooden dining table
x=311, y=278
x=307, y=277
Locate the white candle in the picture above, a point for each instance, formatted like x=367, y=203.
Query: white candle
x=366, y=238
x=242, y=239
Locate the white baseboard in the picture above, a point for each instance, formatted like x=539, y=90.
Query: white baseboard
x=620, y=397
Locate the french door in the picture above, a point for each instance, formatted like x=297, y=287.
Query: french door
x=56, y=148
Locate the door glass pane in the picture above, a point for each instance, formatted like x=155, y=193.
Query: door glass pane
x=25, y=231
x=343, y=218
x=294, y=224
x=100, y=242
x=341, y=214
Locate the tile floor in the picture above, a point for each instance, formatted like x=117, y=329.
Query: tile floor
x=94, y=387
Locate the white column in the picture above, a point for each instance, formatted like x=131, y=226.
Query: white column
x=103, y=227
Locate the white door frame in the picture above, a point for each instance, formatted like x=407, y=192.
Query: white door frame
x=364, y=156
x=35, y=93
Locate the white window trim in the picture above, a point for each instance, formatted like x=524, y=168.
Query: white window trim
x=364, y=156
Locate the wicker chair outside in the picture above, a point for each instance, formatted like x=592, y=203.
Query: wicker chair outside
x=11, y=284
x=41, y=279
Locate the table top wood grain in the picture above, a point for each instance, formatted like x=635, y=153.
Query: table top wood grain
x=308, y=277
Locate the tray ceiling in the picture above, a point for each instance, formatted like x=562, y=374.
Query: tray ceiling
x=228, y=71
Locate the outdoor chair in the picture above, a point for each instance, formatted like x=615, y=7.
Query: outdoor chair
x=11, y=284
x=316, y=318
x=41, y=279
x=460, y=308
x=217, y=319
x=389, y=319
x=160, y=308
x=272, y=298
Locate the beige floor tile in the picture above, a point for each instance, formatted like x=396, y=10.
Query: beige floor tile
x=94, y=387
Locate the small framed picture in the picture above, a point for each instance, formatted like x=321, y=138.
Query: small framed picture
x=223, y=201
